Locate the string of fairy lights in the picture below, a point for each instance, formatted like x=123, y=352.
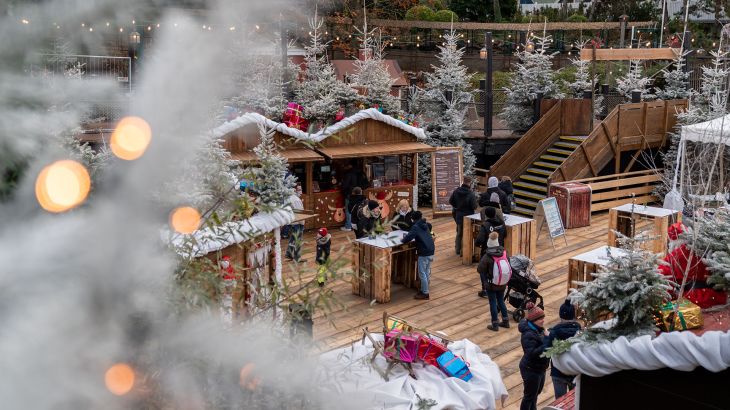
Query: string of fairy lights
x=419, y=40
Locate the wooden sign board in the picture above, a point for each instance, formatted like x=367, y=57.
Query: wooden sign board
x=626, y=54
x=547, y=211
x=447, y=169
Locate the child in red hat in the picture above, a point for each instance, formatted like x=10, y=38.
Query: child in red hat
x=324, y=240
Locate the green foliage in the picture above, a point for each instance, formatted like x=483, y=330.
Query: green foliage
x=711, y=241
x=559, y=347
x=425, y=403
x=445, y=16
x=480, y=10
x=577, y=18
x=420, y=13
x=500, y=79
x=436, y=5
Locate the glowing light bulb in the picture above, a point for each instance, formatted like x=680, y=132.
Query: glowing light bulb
x=149, y=28
x=257, y=27
x=232, y=28
x=185, y=219
x=130, y=138
x=62, y=186
x=107, y=24
x=83, y=24
x=91, y=29
x=158, y=25
x=204, y=26
x=119, y=379
x=134, y=22
x=121, y=30
x=24, y=21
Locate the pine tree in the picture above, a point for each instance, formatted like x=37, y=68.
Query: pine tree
x=270, y=178
x=93, y=160
x=711, y=241
x=320, y=93
x=676, y=82
x=629, y=287
x=583, y=82
x=372, y=75
x=534, y=75
x=444, y=100
x=634, y=80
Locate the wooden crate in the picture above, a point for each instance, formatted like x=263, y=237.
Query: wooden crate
x=520, y=238
x=580, y=267
x=375, y=268
x=654, y=221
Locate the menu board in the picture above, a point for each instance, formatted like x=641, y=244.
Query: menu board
x=446, y=174
x=552, y=217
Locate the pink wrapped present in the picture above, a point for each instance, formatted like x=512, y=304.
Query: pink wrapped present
x=293, y=117
x=402, y=346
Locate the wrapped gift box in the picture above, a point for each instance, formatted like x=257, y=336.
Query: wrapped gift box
x=404, y=344
x=429, y=350
x=396, y=323
x=293, y=117
x=453, y=366
x=688, y=316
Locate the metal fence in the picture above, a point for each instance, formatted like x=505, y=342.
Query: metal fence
x=118, y=69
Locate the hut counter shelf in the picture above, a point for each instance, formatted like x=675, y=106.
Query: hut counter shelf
x=630, y=219
x=379, y=261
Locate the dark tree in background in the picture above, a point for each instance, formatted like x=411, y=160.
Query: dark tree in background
x=480, y=10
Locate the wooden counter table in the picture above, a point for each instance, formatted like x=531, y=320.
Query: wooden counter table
x=520, y=238
x=581, y=266
x=620, y=219
x=380, y=261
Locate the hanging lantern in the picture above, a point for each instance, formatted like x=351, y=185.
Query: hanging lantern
x=134, y=38
x=483, y=53
x=530, y=46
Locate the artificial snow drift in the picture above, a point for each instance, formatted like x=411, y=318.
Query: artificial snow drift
x=355, y=381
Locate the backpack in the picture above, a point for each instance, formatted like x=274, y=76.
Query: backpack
x=502, y=271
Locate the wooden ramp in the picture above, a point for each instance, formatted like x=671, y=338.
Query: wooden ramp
x=454, y=306
x=562, y=147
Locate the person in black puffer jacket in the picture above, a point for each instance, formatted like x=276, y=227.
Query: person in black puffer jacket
x=463, y=203
x=353, y=205
x=566, y=329
x=493, y=187
x=532, y=366
x=425, y=248
x=506, y=186
x=492, y=223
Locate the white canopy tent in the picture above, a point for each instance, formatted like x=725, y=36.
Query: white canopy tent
x=715, y=131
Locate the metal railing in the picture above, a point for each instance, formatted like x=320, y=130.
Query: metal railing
x=118, y=69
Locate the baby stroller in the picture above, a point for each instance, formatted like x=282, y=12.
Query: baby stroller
x=521, y=286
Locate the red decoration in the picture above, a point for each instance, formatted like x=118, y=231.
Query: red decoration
x=227, y=268
x=429, y=350
x=696, y=290
x=293, y=117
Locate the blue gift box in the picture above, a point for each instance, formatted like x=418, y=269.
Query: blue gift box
x=454, y=366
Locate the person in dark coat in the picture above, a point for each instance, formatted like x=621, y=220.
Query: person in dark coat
x=491, y=223
x=506, y=186
x=493, y=187
x=532, y=366
x=495, y=293
x=367, y=217
x=420, y=232
x=356, y=199
x=463, y=203
x=403, y=219
x=324, y=242
x=354, y=177
x=566, y=329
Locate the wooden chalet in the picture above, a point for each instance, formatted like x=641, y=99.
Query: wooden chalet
x=385, y=149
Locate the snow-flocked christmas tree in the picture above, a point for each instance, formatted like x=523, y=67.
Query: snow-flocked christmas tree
x=371, y=73
x=444, y=101
x=583, y=82
x=534, y=75
x=270, y=178
x=676, y=81
x=630, y=288
x=712, y=242
x=320, y=93
x=634, y=80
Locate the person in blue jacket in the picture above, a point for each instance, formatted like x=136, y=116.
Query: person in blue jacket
x=532, y=365
x=566, y=329
x=425, y=248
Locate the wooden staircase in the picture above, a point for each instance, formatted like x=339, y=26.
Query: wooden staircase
x=532, y=185
x=562, y=147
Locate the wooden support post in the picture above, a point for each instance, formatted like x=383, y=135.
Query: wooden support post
x=612, y=226
x=467, y=242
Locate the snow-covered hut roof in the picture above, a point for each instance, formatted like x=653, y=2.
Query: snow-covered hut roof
x=213, y=239
x=715, y=131
x=370, y=113
x=682, y=351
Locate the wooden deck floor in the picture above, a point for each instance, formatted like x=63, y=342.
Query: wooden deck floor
x=454, y=307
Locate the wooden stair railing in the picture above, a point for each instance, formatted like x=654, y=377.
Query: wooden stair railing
x=609, y=191
x=629, y=127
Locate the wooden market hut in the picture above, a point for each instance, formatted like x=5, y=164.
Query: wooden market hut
x=386, y=149
x=253, y=246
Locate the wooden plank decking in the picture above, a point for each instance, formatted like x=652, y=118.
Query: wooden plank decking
x=454, y=307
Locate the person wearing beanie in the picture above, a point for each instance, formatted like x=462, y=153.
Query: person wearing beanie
x=494, y=292
x=367, y=217
x=491, y=223
x=420, y=232
x=324, y=240
x=463, y=203
x=566, y=329
x=486, y=199
x=532, y=365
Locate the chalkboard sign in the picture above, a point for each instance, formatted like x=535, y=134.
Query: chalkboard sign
x=446, y=174
x=548, y=212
